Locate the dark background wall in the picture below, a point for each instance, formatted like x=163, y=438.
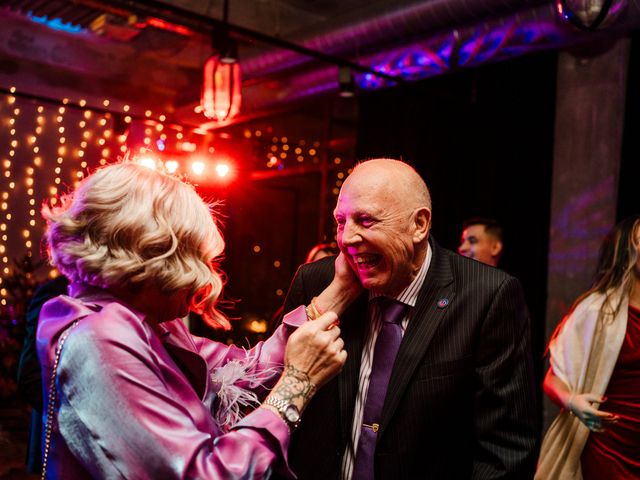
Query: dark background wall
x=483, y=141
x=629, y=188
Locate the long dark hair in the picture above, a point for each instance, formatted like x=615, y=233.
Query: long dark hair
x=615, y=270
x=618, y=258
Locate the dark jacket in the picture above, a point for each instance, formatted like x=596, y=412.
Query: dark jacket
x=460, y=402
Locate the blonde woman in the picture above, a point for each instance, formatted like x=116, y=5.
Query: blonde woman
x=595, y=371
x=128, y=391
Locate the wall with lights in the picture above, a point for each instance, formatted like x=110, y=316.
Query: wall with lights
x=46, y=147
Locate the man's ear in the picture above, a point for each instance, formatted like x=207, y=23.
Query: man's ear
x=422, y=224
x=496, y=248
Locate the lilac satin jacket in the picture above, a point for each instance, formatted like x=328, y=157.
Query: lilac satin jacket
x=136, y=404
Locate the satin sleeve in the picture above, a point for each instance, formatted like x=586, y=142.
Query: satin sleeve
x=266, y=356
x=122, y=416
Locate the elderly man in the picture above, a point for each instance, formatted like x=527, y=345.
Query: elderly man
x=438, y=382
x=481, y=240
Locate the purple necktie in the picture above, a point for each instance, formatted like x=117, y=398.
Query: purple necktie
x=387, y=346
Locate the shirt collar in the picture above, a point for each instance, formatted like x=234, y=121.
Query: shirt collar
x=409, y=296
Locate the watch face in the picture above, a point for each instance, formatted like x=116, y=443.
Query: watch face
x=292, y=414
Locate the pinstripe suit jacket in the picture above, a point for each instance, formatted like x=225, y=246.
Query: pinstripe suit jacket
x=460, y=402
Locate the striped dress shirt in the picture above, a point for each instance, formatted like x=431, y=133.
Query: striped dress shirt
x=408, y=296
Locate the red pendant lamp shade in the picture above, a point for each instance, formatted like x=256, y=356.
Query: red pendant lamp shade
x=221, y=89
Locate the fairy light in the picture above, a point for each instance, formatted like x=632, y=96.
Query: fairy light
x=30, y=171
x=102, y=141
x=30, y=182
x=7, y=175
x=86, y=135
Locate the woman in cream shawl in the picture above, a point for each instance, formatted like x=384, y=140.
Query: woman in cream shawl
x=584, y=351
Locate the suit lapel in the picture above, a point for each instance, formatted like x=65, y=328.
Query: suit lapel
x=425, y=318
x=353, y=326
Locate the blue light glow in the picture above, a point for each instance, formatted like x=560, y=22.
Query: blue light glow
x=469, y=47
x=160, y=145
x=55, y=23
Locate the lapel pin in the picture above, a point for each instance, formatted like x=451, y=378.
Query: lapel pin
x=443, y=302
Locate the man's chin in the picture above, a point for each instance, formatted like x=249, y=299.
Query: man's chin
x=372, y=283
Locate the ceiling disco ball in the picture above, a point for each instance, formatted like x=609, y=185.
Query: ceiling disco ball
x=590, y=14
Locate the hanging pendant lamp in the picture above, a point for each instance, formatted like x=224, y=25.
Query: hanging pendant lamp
x=221, y=89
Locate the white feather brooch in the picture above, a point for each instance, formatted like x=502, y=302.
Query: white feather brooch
x=236, y=383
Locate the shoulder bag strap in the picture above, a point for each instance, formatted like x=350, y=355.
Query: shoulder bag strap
x=52, y=401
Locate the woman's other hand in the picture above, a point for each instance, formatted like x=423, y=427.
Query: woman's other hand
x=585, y=407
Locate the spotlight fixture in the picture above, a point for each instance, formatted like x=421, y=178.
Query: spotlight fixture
x=346, y=83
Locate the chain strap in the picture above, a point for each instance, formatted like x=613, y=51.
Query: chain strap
x=52, y=401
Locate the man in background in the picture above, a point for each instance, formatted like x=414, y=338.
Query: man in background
x=481, y=240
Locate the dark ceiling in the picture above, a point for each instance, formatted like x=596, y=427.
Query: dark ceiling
x=150, y=54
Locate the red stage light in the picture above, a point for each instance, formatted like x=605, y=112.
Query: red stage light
x=147, y=161
x=223, y=169
x=197, y=167
x=171, y=166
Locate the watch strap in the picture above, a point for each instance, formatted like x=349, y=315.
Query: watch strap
x=282, y=406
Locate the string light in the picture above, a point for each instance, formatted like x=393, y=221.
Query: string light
x=106, y=134
x=7, y=174
x=84, y=134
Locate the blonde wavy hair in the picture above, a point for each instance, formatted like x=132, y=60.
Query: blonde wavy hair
x=126, y=224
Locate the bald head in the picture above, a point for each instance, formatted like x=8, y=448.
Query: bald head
x=383, y=216
x=395, y=178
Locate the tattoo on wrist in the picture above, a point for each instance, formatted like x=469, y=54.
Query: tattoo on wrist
x=295, y=384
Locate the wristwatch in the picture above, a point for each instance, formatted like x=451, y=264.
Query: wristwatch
x=288, y=411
